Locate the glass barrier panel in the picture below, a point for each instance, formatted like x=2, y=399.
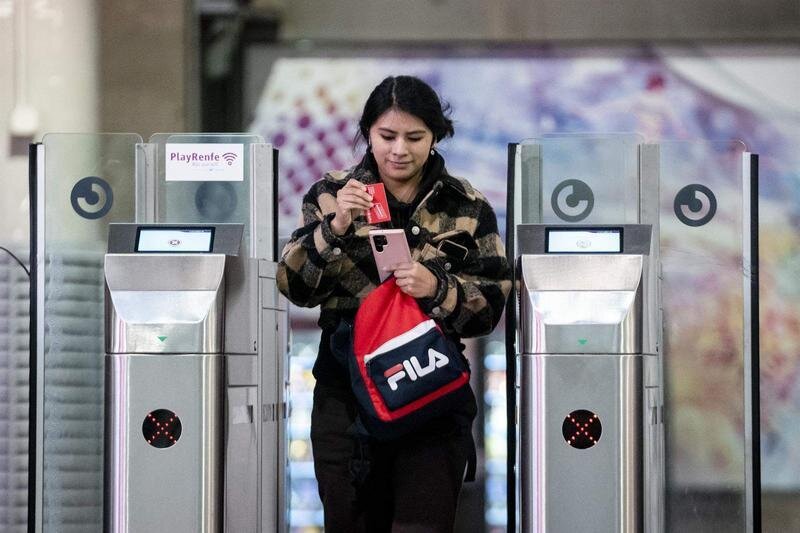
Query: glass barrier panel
x=701, y=217
x=88, y=183
x=206, y=178
x=579, y=179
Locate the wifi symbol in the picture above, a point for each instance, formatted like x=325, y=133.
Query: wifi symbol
x=230, y=157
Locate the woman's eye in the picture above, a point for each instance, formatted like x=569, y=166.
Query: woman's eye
x=414, y=139
x=387, y=137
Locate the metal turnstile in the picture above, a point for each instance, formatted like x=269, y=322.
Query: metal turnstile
x=192, y=390
x=82, y=184
x=584, y=383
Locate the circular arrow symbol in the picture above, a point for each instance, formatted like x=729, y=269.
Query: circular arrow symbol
x=572, y=200
x=215, y=201
x=91, y=197
x=695, y=205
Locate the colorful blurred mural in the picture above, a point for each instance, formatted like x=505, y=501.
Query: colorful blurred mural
x=309, y=109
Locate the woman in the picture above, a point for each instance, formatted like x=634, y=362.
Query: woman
x=459, y=276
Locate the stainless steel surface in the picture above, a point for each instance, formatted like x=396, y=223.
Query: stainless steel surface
x=568, y=489
x=241, y=459
x=652, y=340
x=241, y=306
x=241, y=370
x=164, y=340
x=256, y=451
x=649, y=215
x=271, y=298
x=164, y=272
x=171, y=489
x=275, y=404
x=164, y=303
x=581, y=327
x=270, y=409
x=580, y=303
x=254, y=382
x=262, y=223
x=281, y=357
x=227, y=237
x=267, y=269
x=578, y=272
x=653, y=491
x=636, y=238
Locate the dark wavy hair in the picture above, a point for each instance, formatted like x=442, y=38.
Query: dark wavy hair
x=409, y=94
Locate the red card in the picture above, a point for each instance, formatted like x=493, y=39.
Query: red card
x=380, y=211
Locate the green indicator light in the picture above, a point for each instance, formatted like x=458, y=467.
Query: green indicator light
x=162, y=338
x=582, y=341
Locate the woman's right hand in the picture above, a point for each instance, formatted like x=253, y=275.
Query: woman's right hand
x=351, y=200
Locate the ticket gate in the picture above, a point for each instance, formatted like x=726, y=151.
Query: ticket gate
x=700, y=198
x=584, y=309
x=81, y=184
x=192, y=328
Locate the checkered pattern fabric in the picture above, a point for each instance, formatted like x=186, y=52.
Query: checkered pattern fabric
x=338, y=272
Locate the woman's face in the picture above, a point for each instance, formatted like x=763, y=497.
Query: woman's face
x=401, y=144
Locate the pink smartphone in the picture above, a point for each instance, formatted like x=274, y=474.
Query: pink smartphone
x=389, y=248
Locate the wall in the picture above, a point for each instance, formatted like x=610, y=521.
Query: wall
x=146, y=60
x=111, y=66
x=521, y=20
x=59, y=55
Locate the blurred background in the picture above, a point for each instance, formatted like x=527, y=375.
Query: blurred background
x=297, y=72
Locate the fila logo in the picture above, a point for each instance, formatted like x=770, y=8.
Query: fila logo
x=412, y=368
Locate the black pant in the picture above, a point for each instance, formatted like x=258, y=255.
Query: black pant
x=412, y=484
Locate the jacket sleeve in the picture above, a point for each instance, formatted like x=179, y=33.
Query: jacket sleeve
x=312, y=260
x=470, y=302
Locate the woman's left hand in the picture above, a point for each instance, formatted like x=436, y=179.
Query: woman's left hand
x=416, y=280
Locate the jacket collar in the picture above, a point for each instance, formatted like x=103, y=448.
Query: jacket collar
x=459, y=185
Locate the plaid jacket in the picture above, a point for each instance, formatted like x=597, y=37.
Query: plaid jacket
x=321, y=268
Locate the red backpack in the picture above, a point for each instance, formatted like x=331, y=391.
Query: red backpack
x=404, y=371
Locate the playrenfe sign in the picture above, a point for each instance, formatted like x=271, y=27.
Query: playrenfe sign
x=204, y=162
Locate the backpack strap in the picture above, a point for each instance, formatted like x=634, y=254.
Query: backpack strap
x=472, y=461
x=360, y=462
x=465, y=423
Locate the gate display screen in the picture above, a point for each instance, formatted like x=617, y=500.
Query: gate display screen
x=583, y=240
x=174, y=240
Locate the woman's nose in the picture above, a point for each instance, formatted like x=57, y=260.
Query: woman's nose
x=399, y=146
